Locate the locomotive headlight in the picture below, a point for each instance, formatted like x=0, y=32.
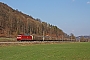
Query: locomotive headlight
x=18, y=37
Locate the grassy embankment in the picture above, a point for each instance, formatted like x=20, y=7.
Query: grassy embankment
x=63, y=51
x=7, y=39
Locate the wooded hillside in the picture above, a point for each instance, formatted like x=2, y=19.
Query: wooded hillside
x=14, y=22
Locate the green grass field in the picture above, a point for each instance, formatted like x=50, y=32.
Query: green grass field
x=63, y=51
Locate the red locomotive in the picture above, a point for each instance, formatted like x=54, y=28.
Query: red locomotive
x=24, y=37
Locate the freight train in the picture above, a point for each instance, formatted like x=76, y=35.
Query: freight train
x=22, y=37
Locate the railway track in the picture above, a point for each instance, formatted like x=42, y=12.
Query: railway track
x=30, y=42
